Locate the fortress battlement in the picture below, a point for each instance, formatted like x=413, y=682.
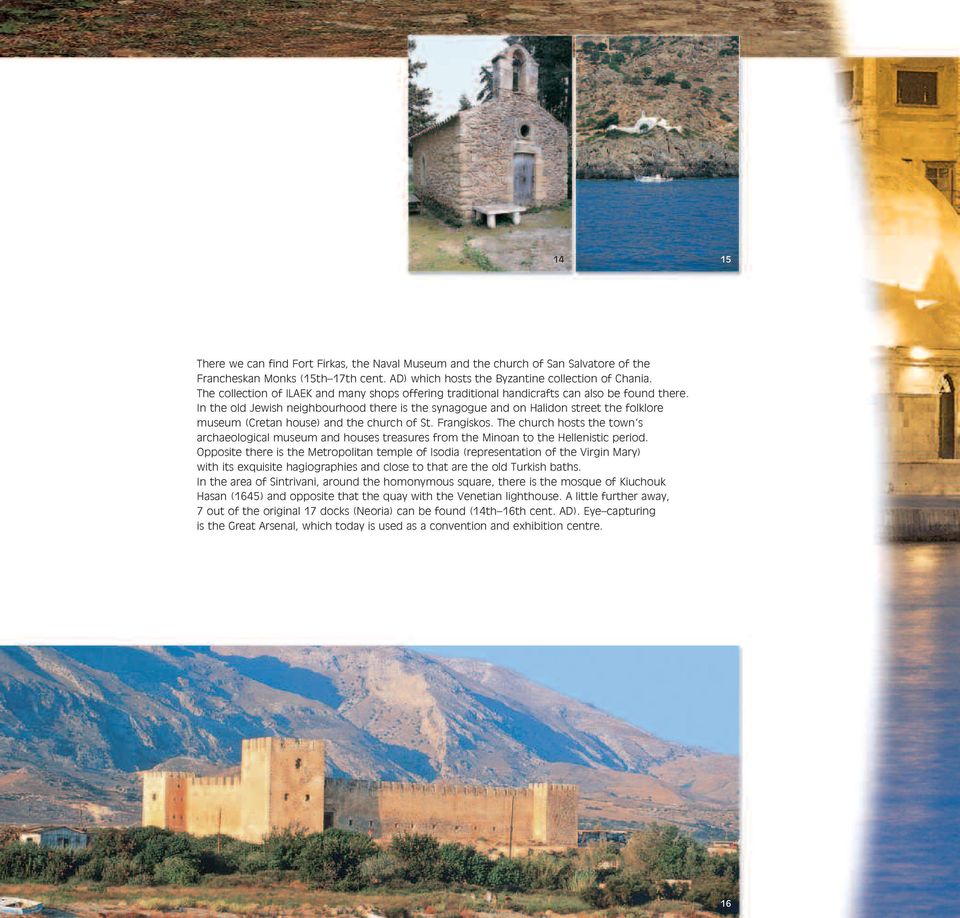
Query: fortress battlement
x=281, y=783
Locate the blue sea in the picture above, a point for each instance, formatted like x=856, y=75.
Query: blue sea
x=912, y=864
x=683, y=225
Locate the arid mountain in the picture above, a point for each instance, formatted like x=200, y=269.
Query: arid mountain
x=687, y=89
x=77, y=723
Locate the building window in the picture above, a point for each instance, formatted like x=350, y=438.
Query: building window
x=845, y=85
x=349, y=822
x=517, y=68
x=948, y=439
x=286, y=796
x=153, y=796
x=306, y=797
x=916, y=87
x=940, y=175
x=524, y=131
x=298, y=763
x=423, y=167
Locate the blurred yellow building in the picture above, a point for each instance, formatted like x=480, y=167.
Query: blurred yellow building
x=906, y=112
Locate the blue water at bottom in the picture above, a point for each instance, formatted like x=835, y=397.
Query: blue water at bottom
x=683, y=225
x=912, y=863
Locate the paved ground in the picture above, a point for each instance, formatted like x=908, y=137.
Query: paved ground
x=379, y=28
x=536, y=244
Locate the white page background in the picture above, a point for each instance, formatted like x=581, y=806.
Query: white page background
x=154, y=211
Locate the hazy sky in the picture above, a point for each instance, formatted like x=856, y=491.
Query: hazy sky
x=687, y=694
x=453, y=66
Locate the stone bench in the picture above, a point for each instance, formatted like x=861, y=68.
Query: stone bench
x=490, y=211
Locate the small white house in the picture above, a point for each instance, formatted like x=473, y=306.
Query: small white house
x=55, y=837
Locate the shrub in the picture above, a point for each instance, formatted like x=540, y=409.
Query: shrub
x=380, y=870
x=547, y=871
x=332, y=859
x=23, y=861
x=418, y=855
x=608, y=121
x=685, y=84
x=508, y=874
x=719, y=894
x=647, y=71
x=666, y=79
x=282, y=848
x=628, y=888
x=176, y=870
x=253, y=862
x=463, y=864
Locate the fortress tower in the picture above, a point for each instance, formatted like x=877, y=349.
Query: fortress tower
x=281, y=785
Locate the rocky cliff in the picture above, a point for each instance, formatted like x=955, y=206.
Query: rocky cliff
x=648, y=105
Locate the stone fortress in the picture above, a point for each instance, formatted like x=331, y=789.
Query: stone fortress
x=281, y=783
x=508, y=150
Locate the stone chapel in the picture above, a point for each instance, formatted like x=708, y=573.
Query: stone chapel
x=507, y=150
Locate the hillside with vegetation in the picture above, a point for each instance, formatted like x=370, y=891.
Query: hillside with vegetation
x=78, y=723
x=689, y=84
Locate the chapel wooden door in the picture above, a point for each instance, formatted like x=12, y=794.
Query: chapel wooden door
x=522, y=178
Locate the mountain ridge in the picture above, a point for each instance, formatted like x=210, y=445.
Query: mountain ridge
x=77, y=723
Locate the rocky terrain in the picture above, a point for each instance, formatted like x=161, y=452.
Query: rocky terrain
x=689, y=84
x=77, y=723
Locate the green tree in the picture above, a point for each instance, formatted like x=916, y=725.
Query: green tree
x=465, y=102
x=419, y=116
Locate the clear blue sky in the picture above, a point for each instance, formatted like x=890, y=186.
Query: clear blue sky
x=687, y=694
x=453, y=66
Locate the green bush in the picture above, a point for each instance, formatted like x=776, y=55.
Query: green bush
x=685, y=84
x=628, y=888
x=418, y=855
x=508, y=874
x=28, y=861
x=177, y=871
x=381, y=869
x=719, y=894
x=666, y=79
x=282, y=848
x=608, y=121
x=332, y=859
x=463, y=864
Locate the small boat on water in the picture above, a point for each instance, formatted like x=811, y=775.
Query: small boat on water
x=11, y=905
x=652, y=178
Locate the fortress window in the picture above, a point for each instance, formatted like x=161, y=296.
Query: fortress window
x=916, y=87
x=153, y=796
x=286, y=796
x=349, y=822
x=298, y=763
x=306, y=797
x=371, y=823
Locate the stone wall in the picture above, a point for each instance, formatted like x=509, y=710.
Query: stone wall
x=930, y=477
x=470, y=160
x=540, y=815
x=491, y=135
x=437, y=166
x=281, y=784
